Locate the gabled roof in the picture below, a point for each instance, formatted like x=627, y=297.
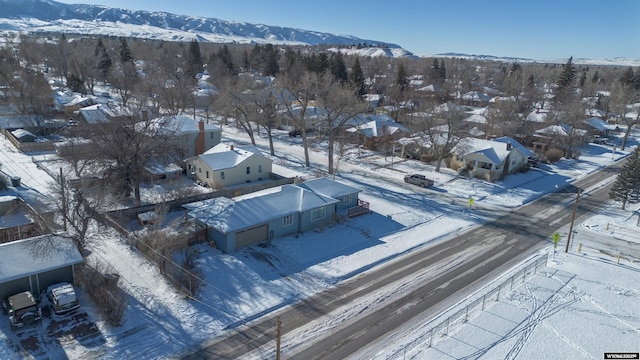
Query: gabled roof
x=20, y=133
x=36, y=255
x=227, y=215
x=494, y=150
x=181, y=124
x=328, y=187
x=222, y=156
x=561, y=130
x=597, y=123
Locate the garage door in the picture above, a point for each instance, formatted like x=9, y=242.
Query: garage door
x=251, y=236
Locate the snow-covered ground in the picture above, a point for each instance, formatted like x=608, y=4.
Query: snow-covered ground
x=544, y=315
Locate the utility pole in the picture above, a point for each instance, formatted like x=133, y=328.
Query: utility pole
x=278, y=340
x=573, y=217
x=64, y=200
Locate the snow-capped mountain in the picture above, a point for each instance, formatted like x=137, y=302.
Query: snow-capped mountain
x=620, y=61
x=48, y=16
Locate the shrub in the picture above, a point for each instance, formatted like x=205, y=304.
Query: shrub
x=553, y=155
x=102, y=286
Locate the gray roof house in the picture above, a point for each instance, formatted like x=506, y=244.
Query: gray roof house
x=194, y=137
x=489, y=159
x=35, y=263
x=233, y=224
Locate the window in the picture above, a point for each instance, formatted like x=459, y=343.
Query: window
x=317, y=214
x=199, y=170
x=207, y=174
x=347, y=199
x=211, y=135
x=259, y=168
x=485, y=165
x=287, y=220
x=248, y=170
x=222, y=175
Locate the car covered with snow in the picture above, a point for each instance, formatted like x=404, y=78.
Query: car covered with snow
x=62, y=297
x=22, y=310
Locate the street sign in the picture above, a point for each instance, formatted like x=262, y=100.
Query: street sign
x=556, y=239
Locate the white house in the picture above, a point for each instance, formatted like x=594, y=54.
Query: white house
x=226, y=165
x=489, y=159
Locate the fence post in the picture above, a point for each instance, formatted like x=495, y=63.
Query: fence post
x=430, y=336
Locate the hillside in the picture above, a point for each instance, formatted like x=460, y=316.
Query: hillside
x=47, y=16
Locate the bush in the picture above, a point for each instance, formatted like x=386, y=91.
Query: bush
x=553, y=155
x=102, y=287
x=427, y=158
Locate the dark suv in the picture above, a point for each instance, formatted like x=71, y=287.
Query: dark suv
x=22, y=310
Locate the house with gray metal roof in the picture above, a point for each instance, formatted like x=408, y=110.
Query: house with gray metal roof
x=233, y=224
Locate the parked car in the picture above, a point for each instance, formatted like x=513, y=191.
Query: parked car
x=22, y=309
x=62, y=297
x=294, y=133
x=419, y=180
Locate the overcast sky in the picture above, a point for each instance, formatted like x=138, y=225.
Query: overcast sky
x=537, y=29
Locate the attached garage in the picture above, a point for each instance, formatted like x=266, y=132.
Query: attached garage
x=35, y=263
x=252, y=235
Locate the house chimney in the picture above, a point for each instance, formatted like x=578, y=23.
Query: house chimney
x=509, y=146
x=200, y=138
x=231, y=147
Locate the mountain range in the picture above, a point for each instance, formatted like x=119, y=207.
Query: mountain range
x=48, y=16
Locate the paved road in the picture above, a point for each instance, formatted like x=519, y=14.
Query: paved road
x=500, y=243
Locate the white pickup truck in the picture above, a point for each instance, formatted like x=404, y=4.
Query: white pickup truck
x=418, y=179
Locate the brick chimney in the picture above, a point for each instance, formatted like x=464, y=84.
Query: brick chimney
x=509, y=146
x=200, y=138
x=231, y=147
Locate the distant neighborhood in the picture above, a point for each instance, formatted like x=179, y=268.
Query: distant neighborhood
x=110, y=118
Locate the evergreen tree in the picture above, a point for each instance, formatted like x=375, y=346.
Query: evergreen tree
x=596, y=77
x=194, y=59
x=443, y=71
x=357, y=79
x=103, y=61
x=338, y=68
x=401, y=78
x=628, y=77
x=583, y=78
x=225, y=56
x=125, y=51
x=626, y=188
x=271, y=66
x=568, y=75
x=246, y=64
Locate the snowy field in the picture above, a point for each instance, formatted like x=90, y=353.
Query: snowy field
x=541, y=318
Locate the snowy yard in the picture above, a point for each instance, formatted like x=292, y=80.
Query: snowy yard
x=581, y=304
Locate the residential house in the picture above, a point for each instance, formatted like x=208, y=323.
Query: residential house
x=561, y=136
x=194, y=137
x=225, y=165
x=233, y=224
x=373, y=129
x=489, y=159
x=35, y=263
x=596, y=127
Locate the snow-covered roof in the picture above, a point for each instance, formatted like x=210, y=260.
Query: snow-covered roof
x=227, y=215
x=494, y=150
x=36, y=255
x=372, y=125
x=223, y=156
x=597, y=123
x=561, y=130
x=181, y=124
x=328, y=187
x=20, y=133
x=476, y=96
